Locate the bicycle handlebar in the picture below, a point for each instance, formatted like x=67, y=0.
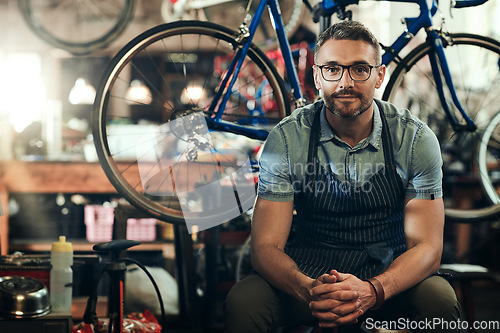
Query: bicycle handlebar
x=344, y=3
x=466, y=3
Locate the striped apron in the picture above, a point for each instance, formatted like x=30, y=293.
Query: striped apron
x=338, y=226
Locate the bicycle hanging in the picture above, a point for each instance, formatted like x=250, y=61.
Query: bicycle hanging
x=79, y=27
x=195, y=68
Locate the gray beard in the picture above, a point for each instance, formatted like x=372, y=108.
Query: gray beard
x=333, y=109
x=330, y=105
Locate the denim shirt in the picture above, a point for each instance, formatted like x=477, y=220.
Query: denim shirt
x=416, y=152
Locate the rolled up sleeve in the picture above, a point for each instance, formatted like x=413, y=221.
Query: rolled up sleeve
x=426, y=174
x=274, y=171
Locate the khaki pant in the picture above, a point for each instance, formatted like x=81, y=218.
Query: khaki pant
x=253, y=305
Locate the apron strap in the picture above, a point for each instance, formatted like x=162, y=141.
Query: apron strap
x=312, y=152
x=315, y=134
x=388, y=150
x=386, y=139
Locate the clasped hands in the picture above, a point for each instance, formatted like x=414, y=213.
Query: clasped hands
x=340, y=299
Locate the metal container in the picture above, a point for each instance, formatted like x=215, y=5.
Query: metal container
x=23, y=297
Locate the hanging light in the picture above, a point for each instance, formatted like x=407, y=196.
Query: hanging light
x=193, y=94
x=138, y=93
x=82, y=92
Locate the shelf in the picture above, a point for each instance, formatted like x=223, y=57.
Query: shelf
x=167, y=248
x=47, y=177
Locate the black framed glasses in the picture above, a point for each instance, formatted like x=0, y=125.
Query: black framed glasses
x=357, y=72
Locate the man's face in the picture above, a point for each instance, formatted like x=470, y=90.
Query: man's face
x=347, y=98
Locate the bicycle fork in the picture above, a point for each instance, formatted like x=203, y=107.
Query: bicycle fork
x=438, y=61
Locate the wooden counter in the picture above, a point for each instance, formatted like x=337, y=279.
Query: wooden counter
x=54, y=177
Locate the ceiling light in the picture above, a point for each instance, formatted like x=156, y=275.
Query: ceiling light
x=138, y=93
x=193, y=95
x=82, y=93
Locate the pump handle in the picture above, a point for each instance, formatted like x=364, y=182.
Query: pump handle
x=115, y=246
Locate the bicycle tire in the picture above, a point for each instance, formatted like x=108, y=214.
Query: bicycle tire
x=243, y=264
x=473, y=60
x=231, y=15
x=75, y=26
x=183, y=51
x=488, y=158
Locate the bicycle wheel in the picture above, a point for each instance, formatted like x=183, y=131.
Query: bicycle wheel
x=157, y=162
x=231, y=14
x=79, y=27
x=489, y=159
x=474, y=65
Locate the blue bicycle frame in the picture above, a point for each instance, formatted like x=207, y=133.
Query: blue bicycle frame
x=220, y=100
x=437, y=59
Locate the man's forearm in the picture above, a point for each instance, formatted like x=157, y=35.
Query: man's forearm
x=281, y=271
x=410, y=268
x=271, y=225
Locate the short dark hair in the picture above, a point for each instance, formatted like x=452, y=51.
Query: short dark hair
x=350, y=30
